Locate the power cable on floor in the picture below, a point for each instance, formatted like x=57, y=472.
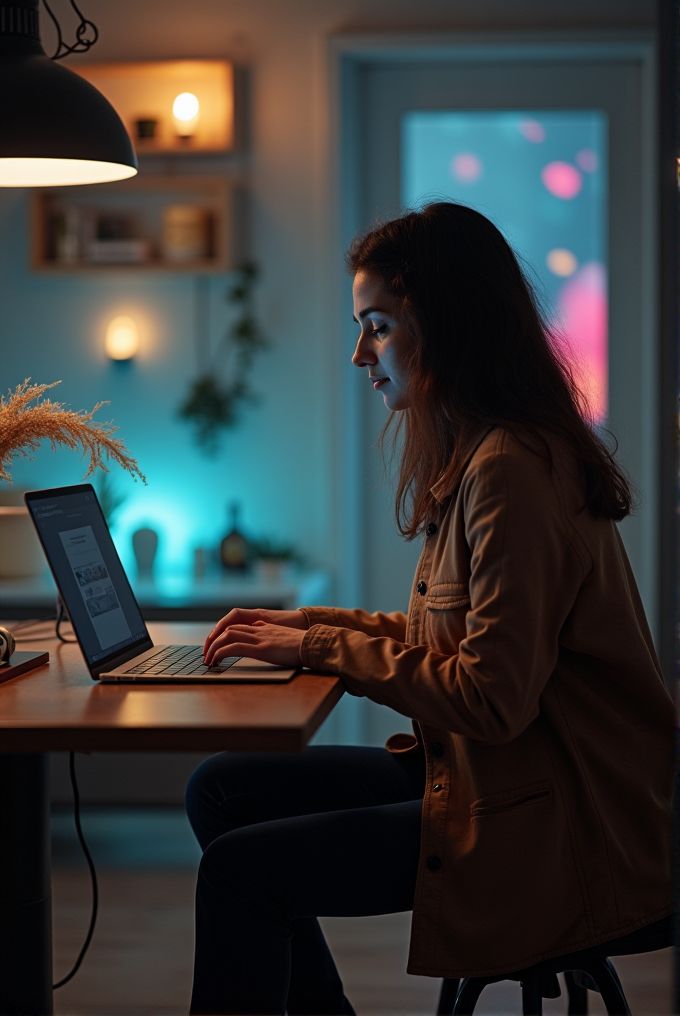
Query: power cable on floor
x=93, y=875
x=25, y=628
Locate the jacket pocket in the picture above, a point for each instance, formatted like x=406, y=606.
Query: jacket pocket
x=447, y=595
x=506, y=800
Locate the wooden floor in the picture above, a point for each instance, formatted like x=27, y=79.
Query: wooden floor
x=141, y=956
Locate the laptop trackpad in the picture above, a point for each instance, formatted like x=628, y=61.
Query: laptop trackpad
x=246, y=664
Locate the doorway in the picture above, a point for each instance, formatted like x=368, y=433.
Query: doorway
x=390, y=97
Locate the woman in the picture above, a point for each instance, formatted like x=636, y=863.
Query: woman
x=541, y=761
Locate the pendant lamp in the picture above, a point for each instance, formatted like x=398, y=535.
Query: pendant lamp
x=56, y=129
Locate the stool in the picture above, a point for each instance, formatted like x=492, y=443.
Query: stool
x=588, y=968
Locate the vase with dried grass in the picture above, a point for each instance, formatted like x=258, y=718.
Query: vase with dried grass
x=26, y=419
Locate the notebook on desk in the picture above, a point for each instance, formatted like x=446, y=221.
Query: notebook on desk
x=106, y=618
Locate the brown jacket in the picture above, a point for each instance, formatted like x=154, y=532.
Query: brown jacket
x=528, y=666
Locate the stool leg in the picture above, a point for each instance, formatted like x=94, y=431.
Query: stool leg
x=532, y=1000
x=447, y=996
x=470, y=990
x=607, y=980
x=578, y=996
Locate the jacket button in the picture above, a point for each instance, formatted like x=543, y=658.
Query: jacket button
x=431, y=529
x=434, y=863
x=437, y=748
x=438, y=786
x=421, y=587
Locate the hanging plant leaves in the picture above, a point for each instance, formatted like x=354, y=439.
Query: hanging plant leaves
x=210, y=407
x=213, y=404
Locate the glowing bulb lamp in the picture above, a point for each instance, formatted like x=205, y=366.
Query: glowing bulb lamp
x=185, y=113
x=56, y=129
x=122, y=339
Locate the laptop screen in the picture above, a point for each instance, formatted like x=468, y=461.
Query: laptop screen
x=88, y=571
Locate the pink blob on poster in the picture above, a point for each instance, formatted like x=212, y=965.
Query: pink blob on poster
x=466, y=167
x=532, y=130
x=588, y=161
x=562, y=179
x=582, y=303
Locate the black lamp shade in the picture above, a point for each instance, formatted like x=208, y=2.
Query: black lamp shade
x=55, y=127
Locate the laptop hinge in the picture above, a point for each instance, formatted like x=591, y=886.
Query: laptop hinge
x=118, y=661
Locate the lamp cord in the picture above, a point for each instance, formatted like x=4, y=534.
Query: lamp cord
x=61, y=617
x=24, y=627
x=93, y=875
x=82, y=44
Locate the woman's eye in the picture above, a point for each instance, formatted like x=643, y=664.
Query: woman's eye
x=381, y=330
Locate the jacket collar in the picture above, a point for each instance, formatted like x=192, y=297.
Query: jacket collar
x=444, y=487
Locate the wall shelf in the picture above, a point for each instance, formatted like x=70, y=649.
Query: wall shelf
x=125, y=226
x=143, y=95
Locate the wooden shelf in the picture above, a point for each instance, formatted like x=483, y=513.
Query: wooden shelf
x=146, y=91
x=139, y=202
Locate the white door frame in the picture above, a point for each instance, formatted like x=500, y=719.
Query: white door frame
x=338, y=56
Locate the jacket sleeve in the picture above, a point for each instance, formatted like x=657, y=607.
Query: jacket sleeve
x=391, y=625
x=525, y=575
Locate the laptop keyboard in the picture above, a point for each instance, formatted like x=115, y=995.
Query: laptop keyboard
x=178, y=661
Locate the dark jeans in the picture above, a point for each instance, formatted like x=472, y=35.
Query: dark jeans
x=332, y=832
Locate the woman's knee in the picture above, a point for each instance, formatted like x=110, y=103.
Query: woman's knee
x=233, y=872
x=224, y=793
x=206, y=792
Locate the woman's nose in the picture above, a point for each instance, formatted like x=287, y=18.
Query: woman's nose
x=364, y=355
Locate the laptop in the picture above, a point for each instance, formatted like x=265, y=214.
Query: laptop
x=106, y=618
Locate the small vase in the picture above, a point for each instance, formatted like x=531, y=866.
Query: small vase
x=145, y=545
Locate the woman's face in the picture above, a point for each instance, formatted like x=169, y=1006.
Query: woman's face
x=384, y=344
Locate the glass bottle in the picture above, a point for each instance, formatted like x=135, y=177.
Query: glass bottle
x=234, y=548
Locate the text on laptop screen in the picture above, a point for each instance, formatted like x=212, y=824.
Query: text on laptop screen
x=89, y=573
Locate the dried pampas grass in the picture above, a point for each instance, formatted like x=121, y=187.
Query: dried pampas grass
x=23, y=427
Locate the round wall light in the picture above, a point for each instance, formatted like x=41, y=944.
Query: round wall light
x=185, y=113
x=122, y=339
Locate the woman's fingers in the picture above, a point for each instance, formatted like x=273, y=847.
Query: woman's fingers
x=217, y=631
x=268, y=642
x=240, y=615
x=242, y=632
x=223, y=645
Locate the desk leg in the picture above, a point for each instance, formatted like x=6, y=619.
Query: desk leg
x=25, y=886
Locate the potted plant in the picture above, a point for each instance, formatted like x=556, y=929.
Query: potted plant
x=273, y=558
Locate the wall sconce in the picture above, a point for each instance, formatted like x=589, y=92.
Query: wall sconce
x=122, y=339
x=185, y=114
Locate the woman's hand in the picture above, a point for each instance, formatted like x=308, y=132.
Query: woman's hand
x=246, y=619
x=271, y=643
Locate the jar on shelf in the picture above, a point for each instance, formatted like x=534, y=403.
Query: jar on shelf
x=67, y=239
x=186, y=233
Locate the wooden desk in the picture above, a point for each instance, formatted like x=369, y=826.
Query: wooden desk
x=60, y=708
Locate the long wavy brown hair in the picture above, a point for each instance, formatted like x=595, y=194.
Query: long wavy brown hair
x=483, y=355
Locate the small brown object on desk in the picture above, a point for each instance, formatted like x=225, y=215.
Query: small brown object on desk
x=21, y=663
